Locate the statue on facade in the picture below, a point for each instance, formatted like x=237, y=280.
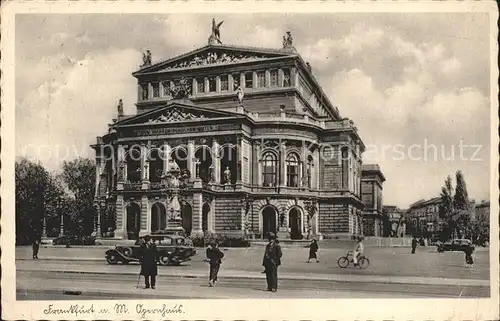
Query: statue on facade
x=121, y=172
x=211, y=174
x=215, y=36
x=197, y=167
x=240, y=94
x=288, y=40
x=146, y=58
x=227, y=176
x=120, y=107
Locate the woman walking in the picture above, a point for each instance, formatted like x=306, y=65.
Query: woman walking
x=313, y=249
x=148, y=262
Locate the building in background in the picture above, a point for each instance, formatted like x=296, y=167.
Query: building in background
x=372, y=180
x=397, y=220
x=423, y=217
x=237, y=141
x=482, y=211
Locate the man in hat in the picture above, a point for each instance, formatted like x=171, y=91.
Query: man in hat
x=272, y=259
x=214, y=257
x=148, y=262
x=358, y=250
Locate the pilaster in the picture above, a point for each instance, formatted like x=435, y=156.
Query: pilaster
x=190, y=156
x=121, y=218
x=216, y=160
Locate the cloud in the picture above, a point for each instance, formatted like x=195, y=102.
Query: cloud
x=58, y=121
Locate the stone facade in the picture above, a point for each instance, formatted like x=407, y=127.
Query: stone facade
x=372, y=180
x=201, y=155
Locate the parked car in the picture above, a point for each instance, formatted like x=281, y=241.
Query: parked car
x=172, y=250
x=455, y=245
x=74, y=240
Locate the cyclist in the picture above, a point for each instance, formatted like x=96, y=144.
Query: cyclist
x=358, y=250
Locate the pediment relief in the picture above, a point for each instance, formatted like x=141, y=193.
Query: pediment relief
x=214, y=58
x=174, y=115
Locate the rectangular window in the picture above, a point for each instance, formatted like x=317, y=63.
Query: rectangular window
x=261, y=79
x=236, y=81
x=287, y=82
x=166, y=88
x=274, y=78
x=156, y=89
x=212, y=84
x=145, y=92
x=224, y=83
x=201, y=85
x=249, y=80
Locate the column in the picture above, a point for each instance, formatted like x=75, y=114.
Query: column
x=294, y=77
x=121, y=218
x=197, y=214
x=150, y=90
x=145, y=218
x=217, y=84
x=216, y=160
x=207, y=89
x=280, y=77
x=268, y=78
x=254, y=80
x=242, y=80
x=303, y=165
x=195, y=86
x=145, y=166
x=282, y=163
x=230, y=83
x=98, y=227
x=190, y=163
x=98, y=164
x=166, y=155
x=258, y=170
x=239, y=159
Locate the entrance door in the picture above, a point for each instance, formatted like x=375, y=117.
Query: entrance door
x=133, y=221
x=268, y=221
x=294, y=219
x=187, y=218
x=204, y=217
x=158, y=217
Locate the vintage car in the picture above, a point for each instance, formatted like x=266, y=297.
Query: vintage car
x=455, y=245
x=172, y=250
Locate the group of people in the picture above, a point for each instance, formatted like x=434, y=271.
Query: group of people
x=469, y=261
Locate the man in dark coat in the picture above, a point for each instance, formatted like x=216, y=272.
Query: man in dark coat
x=214, y=257
x=148, y=262
x=36, y=246
x=271, y=261
x=313, y=249
x=413, y=245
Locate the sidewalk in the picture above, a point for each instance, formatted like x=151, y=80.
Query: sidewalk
x=236, y=274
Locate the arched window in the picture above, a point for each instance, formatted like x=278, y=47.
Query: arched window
x=269, y=166
x=292, y=171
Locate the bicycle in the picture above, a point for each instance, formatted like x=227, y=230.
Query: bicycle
x=344, y=261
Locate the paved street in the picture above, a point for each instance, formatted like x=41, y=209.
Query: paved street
x=392, y=273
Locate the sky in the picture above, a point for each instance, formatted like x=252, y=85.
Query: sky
x=416, y=84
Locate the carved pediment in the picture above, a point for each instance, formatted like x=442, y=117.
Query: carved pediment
x=175, y=114
x=214, y=58
x=215, y=55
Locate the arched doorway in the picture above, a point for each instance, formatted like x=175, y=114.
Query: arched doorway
x=155, y=165
x=228, y=160
x=295, y=224
x=269, y=216
x=204, y=217
x=133, y=220
x=133, y=160
x=187, y=218
x=203, y=162
x=158, y=217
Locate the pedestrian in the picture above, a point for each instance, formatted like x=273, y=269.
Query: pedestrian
x=358, y=250
x=36, y=246
x=148, y=262
x=271, y=261
x=469, y=261
x=413, y=244
x=313, y=249
x=214, y=257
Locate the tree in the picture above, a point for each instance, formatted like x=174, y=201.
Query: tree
x=446, y=208
x=36, y=192
x=79, y=177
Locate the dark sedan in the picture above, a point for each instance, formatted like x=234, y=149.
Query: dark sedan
x=455, y=245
